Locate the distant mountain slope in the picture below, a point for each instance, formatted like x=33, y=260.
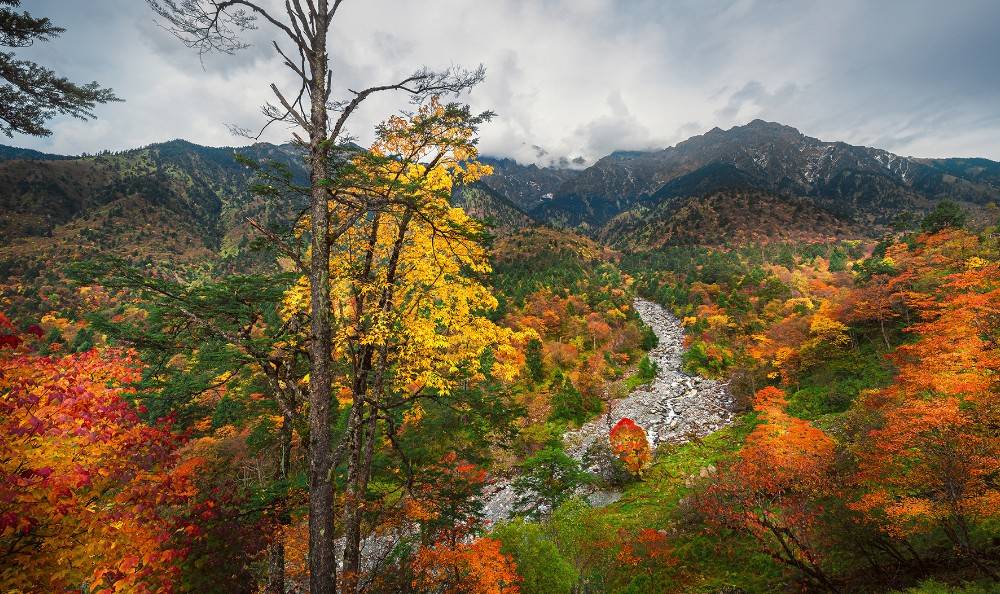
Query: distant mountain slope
x=8, y=153
x=861, y=186
x=204, y=186
x=168, y=204
x=724, y=217
x=526, y=186
x=181, y=203
x=980, y=171
x=174, y=203
x=484, y=203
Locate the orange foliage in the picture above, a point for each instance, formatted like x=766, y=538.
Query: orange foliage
x=783, y=451
x=444, y=497
x=629, y=443
x=589, y=380
x=88, y=493
x=478, y=567
x=649, y=551
x=562, y=354
x=770, y=491
x=933, y=453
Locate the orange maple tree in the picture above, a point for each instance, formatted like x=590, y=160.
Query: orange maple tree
x=770, y=491
x=648, y=551
x=932, y=454
x=477, y=567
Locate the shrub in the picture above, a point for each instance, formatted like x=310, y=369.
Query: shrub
x=542, y=569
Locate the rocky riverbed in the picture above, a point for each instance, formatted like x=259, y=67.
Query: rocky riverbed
x=675, y=407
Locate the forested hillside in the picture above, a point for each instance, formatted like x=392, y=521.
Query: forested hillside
x=849, y=360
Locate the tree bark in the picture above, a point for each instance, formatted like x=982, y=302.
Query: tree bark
x=885, y=337
x=275, y=568
x=276, y=552
x=353, y=511
x=362, y=440
x=322, y=557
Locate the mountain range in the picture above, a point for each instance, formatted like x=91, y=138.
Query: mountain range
x=811, y=185
x=179, y=201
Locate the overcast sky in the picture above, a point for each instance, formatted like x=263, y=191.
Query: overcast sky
x=572, y=78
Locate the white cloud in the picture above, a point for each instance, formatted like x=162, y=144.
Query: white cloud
x=577, y=78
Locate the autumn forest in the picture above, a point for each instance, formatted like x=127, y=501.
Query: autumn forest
x=391, y=362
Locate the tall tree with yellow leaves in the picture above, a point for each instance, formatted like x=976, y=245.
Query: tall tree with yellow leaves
x=407, y=297
x=318, y=115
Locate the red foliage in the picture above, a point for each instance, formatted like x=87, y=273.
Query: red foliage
x=629, y=443
x=88, y=492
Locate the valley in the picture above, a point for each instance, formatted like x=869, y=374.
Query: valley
x=673, y=408
x=602, y=297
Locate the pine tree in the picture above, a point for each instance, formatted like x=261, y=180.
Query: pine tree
x=32, y=94
x=533, y=359
x=946, y=215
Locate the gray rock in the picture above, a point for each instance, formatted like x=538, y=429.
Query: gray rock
x=673, y=408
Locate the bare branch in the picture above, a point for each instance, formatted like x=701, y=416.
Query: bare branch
x=419, y=85
x=299, y=118
x=283, y=246
x=288, y=61
x=215, y=26
x=305, y=23
x=333, y=10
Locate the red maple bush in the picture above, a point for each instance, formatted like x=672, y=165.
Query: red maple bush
x=89, y=494
x=629, y=443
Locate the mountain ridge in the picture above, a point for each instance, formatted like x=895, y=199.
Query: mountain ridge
x=621, y=195
x=862, y=186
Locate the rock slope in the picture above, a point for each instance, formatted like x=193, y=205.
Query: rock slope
x=675, y=407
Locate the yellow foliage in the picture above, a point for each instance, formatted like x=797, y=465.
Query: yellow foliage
x=421, y=303
x=975, y=263
x=718, y=322
x=824, y=327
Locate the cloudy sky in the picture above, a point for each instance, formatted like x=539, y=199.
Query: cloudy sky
x=573, y=78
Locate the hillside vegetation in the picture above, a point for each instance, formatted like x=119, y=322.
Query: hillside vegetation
x=154, y=362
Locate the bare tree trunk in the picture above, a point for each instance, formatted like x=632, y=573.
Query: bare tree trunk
x=362, y=442
x=353, y=500
x=275, y=568
x=354, y=512
x=322, y=557
x=276, y=552
x=322, y=565
x=885, y=337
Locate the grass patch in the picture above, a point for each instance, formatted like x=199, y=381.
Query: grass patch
x=705, y=563
x=644, y=374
